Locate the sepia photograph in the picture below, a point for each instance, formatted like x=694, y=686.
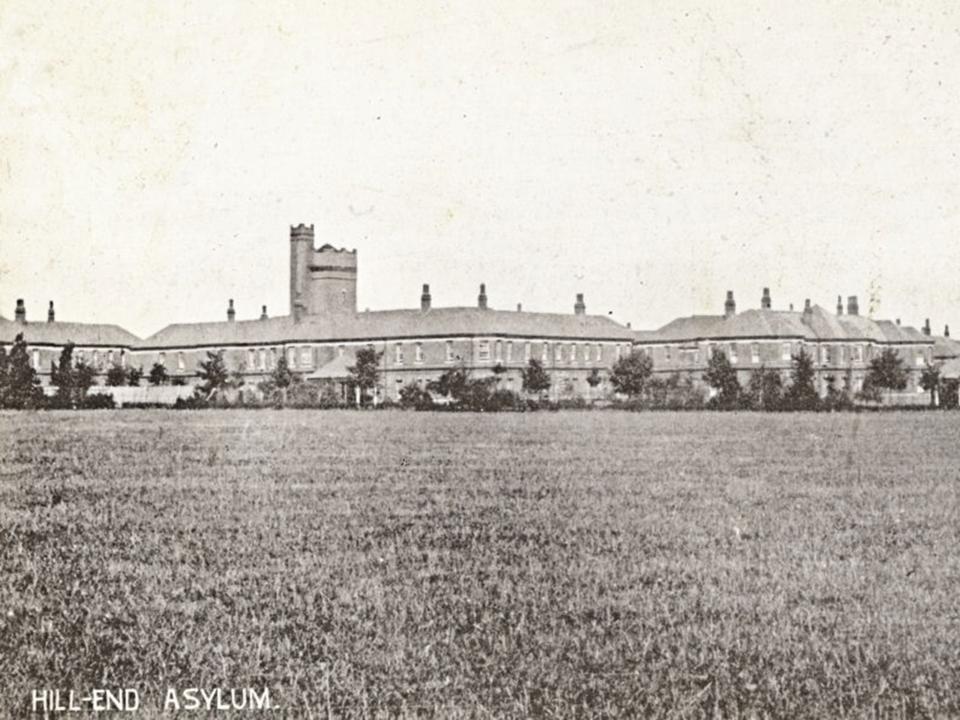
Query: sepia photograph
x=508, y=359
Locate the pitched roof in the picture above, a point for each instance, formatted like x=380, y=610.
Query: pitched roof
x=389, y=324
x=818, y=324
x=945, y=347
x=61, y=333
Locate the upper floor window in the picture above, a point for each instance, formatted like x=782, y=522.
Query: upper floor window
x=398, y=353
x=509, y=351
x=785, y=353
x=449, y=351
x=418, y=353
x=755, y=352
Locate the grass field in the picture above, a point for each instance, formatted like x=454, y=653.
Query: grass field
x=597, y=564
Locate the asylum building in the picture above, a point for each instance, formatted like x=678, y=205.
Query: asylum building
x=841, y=343
x=323, y=330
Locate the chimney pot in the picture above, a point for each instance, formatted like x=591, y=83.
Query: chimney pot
x=946, y=331
x=263, y=312
x=729, y=306
x=482, y=297
x=231, y=313
x=425, y=298
x=20, y=314
x=926, y=327
x=807, y=311
x=839, y=305
x=579, y=308
x=765, y=299
x=51, y=315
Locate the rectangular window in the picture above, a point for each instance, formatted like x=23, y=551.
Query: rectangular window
x=123, y=358
x=842, y=354
x=786, y=354
x=755, y=353
x=526, y=352
x=398, y=354
x=273, y=358
x=585, y=349
x=733, y=353
x=263, y=359
x=858, y=354
x=418, y=353
x=499, y=351
x=599, y=352
x=251, y=358
x=340, y=350
x=306, y=357
x=483, y=351
x=180, y=363
x=509, y=351
x=36, y=359
x=666, y=353
x=162, y=359
x=558, y=353
x=921, y=358
x=449, y=351
x=825, y=355
x=546, y=351
x=618, y=353
x=292, y=357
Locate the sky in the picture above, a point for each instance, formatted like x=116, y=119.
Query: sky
x=651, y=155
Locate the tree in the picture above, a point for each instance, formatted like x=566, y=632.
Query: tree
x=158, y=374
x=116, y=375
x=365, y=373
x=536, y=379
x=802, y=392
x=930, y=381
x=282, y=376
x=62, y=376
x=631, y=372
x=134, y=376
x=22, y=386
x=213, y=373
x=452, y=383
x=765, y=389
x=886, y=371
x=721, y=376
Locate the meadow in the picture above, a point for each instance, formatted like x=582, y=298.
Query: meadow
x=568, y=564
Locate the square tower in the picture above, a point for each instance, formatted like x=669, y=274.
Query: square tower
x=323, y=281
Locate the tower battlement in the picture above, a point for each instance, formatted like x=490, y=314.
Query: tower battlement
x=323, y=281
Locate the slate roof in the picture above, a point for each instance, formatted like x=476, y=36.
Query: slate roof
x=61, y=333
x=945, y=347
x=819, y=324
x=389, y=324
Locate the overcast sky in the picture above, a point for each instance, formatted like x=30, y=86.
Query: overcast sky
x=651, y=155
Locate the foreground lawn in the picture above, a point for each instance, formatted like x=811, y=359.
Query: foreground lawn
x=551, y=564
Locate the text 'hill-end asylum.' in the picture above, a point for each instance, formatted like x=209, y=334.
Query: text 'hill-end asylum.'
x=323, y=330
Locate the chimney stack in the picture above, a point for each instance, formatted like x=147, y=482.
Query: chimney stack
x=730, y=306
x=20, y=314
x=263, y=313
x=425, y=298
x=51, y=315
x=807, y=311
x=519, y=307
x=791, y=307
x=898, y=321
x=765, y=299
x=579, y=308
x=482, y=297
x=231, y=313
x=853, y=307
x=839, y=305
x=926, y=327
x=946, y=331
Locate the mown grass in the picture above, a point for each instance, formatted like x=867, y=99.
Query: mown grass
x=553, y=565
